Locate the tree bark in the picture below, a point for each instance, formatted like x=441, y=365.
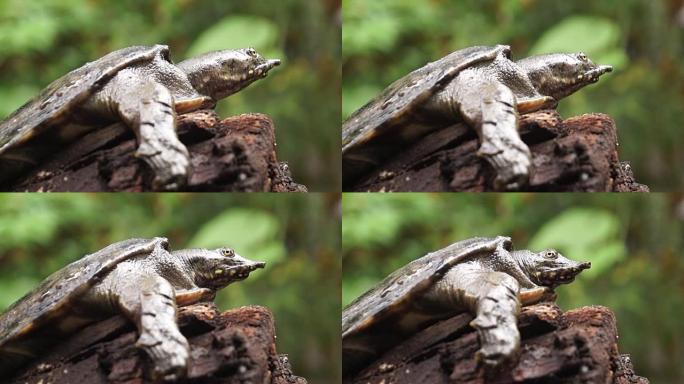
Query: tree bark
x=578, y=346
x=235, y=154
x=576, y=154
x=236, y=346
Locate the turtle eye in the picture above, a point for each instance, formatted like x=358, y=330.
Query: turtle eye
x=227, y=252
x=550, y=254
x=251, y=52
x=582, y=56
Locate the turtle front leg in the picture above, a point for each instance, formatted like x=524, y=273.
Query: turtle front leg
x=148, y=108
x=489, y=107
x=160, y=337
x=148, y=300
x=492, y=297
x=496, y=319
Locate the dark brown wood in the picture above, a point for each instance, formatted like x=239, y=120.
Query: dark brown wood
x=233, y=154
x=578, y=346
x=236, y=346
x=576, y=154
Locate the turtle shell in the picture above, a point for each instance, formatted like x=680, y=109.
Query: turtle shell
x=56, y=102
x=373, y=124
x=55, y=294
x=397, y=290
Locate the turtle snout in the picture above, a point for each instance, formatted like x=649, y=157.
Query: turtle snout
x=262, y=69
x=258, y=264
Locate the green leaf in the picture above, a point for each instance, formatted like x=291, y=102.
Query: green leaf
x=252, y=233
x=604, y=257
x=584, y=234
x=576, y=227
x=14, y=97
x=238, y=32
x=32, y=223
x=371, y=227
x=598, y=37
x=35, y=32
x=379, y=33
x=14, y=288
x=355, y=97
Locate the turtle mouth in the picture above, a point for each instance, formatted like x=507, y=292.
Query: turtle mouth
x=243, y=271
x=237, y=273
x=261, y=70
x=593, y=74
x=557, y=276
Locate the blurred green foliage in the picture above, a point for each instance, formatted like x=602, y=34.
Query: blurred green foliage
x=42, y=40
x=297, y=235
x=383, y=40
x=634, y=243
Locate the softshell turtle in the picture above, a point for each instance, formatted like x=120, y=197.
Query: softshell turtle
x=482, y=276
x=478, y=85
x=138, y=278
x=138, y=86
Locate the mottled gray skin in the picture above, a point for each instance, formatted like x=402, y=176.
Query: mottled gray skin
x=480, y=276
x=478, y=85
x=137, y=278
x=138, y=86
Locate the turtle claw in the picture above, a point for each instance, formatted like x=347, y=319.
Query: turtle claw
x=170, y=163
x=169, y=354
x=500, y=343
x=512, y=164
x=513, y=179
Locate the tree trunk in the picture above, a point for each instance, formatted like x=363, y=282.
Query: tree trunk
x=234, y=154
x=578, y=346
x=236, y=346
x=576, y=154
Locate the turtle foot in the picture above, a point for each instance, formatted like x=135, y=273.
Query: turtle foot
x=170, y=163
x=500, y=344
x=512, y=164
x=168, y=351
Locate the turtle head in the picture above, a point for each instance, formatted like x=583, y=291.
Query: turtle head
x=216, y=268
x=549, y=268
x=561, y=74
x=219, y=74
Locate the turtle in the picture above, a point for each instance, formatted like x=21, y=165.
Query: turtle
x=139, y=86
x=480, y=86
x=140, y=279
x=482, y=276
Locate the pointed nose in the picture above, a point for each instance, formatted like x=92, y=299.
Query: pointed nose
x=605, y=68
x=257, y=264
x=585, y=265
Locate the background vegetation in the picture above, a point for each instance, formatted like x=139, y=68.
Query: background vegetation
x=383, y=40
x=297, y=236
x=42, y=40
x=634, y=243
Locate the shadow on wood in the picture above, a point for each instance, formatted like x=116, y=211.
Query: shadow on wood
x=236, y=346
x=235, y=154
x=576, y=154
x=578, y=346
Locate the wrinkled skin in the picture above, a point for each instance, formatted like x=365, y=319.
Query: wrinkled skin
x=137, y=86
x=147, y=98
x=489, y=96
x=491, y=287
x=146, y=288
x=149, y=290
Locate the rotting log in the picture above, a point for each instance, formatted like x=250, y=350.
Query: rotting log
x=576, y=154
x=236, y=346
x=234, y=154
x=577, y=346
